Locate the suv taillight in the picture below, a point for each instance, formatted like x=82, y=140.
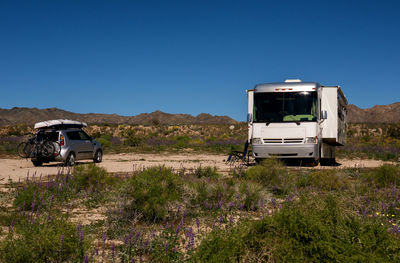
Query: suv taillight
x=62, y=140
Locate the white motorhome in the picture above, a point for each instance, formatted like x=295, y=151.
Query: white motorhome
x=295, y=119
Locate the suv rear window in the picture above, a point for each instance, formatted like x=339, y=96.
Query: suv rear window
x=47, y=135
x=52, y=136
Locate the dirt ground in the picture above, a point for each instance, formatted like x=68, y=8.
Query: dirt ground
x=16, y=169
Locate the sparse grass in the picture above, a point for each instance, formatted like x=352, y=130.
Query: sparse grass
x=385, y=176
x=41, y=237
x=378, y=141
x=151, y=192
x=374, y=141
x=327, y=180
x=309, y=230
x=90, y=177
x=273, y=175
x=208, y=171
x=269, y=214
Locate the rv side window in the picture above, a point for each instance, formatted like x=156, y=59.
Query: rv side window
x=341, y=113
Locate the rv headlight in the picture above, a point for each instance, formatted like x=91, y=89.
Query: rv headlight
x=311, y=140
x=256, y=141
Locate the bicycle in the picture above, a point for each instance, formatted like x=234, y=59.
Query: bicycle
x=38, y=148
x=241, y=157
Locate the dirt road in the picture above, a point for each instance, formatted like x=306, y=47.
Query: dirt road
x=124, y=162
x=128, y=162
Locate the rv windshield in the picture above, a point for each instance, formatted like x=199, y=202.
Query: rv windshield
x=285, y=106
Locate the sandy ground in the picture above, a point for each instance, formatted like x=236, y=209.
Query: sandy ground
x=129, y=162
x=115, y=163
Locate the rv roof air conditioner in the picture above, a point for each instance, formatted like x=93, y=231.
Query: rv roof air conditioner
x=292, y=80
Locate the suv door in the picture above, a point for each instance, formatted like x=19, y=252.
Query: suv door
x=81, y=144
x=86, y=145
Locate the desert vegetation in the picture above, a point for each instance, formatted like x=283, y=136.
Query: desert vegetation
x=263, y=213
x=376, y=141
x=266, y=212
x=155, y=138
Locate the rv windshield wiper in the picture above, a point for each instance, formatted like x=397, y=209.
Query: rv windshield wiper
x=298, y=123
x=267, y=123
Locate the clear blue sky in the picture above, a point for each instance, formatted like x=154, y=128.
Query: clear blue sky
x=130, y=57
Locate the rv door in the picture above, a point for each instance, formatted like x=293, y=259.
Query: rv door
x=250, y=98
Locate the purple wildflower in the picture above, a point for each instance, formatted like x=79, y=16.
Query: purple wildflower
x=190, y=236
x=80, y=233
x=166, y=248
x=178, y=229
x=197, y=223
x=113, y=251
x=62, y=241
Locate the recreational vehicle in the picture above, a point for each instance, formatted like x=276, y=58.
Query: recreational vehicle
x=295, y=119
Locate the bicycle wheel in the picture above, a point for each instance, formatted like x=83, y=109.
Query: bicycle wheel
x=47, y=149
x=24, y=149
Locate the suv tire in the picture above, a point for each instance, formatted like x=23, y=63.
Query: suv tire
x=70, y=159
x=37, y=162
x=98, y=156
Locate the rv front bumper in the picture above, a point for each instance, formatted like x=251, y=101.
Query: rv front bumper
x=285, y=151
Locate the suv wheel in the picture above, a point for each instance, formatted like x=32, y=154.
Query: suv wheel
x=98, y=156
x=70, y=159
x=37, y=162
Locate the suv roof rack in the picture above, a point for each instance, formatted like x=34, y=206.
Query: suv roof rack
x=59, y=124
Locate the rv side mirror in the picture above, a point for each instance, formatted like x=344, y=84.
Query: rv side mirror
x=249, y=118
x=324, y=115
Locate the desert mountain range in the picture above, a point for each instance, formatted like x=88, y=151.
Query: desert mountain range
x=32, y=115
x=377, y=114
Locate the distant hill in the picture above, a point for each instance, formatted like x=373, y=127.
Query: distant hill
x=377, y=114
x=30, y=116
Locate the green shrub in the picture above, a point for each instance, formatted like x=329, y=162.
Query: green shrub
x=208, y=171
x=28, y=195
x=394, y=131
x=223, y=246
x=165, y=247
x=132, y=140
x=105, y=143
x=323, y=179
x=90, y=176
x=268, y=173
x=41, y=242
x=250, y=194
x=151, y=191
x=181, y=142
x=385, y=176
x=310, y=230
x=212, y=194
x=272, y=174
